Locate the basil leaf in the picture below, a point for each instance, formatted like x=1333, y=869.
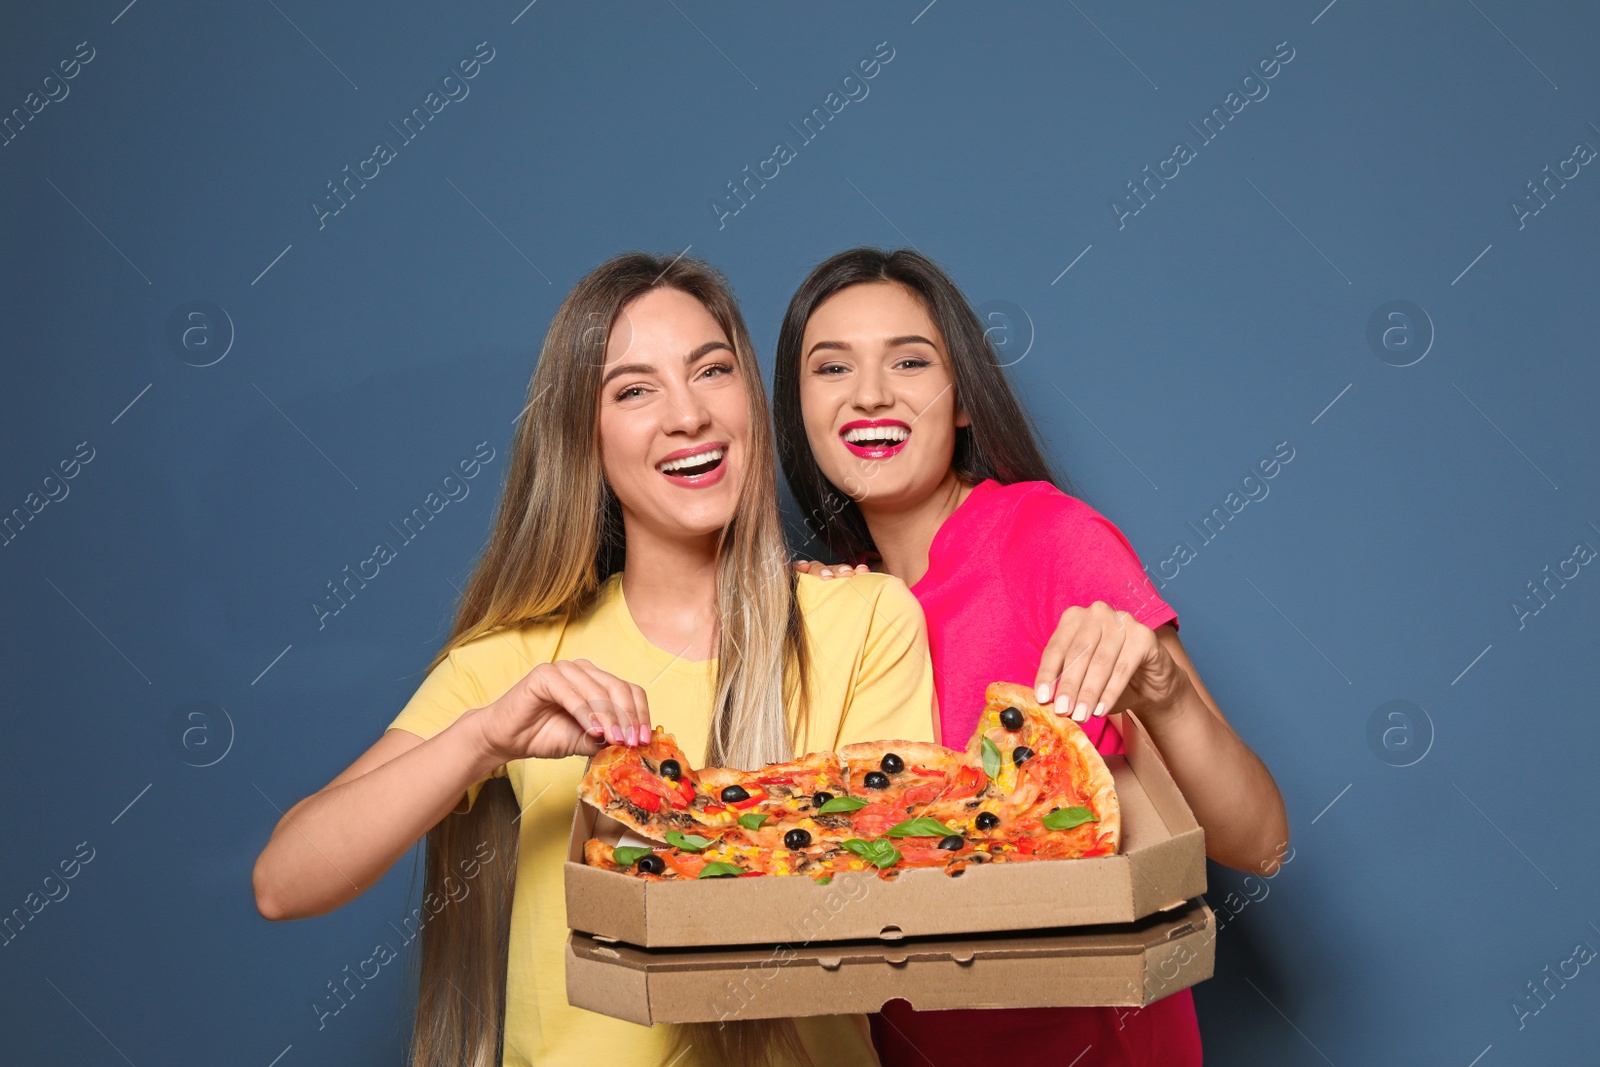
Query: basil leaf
x=879, y=853
x=687, y=842
x=922, y=826
x=719, y=870
x=886, y=856
x=824, y=880
x=842, y=804
x=753, y=822
x=1067, y=818
x=628, y=855
x=991, y=758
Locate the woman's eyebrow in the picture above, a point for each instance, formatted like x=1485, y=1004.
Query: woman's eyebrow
x=892, y=342
x=646, y=368
x=627, y=368
x=837, y=346
x=709, y=346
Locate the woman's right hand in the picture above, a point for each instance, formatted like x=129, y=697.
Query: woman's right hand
x=824, y=571
x=565, y=708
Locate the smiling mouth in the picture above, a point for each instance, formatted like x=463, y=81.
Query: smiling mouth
x=876, y=441
x=877, y=436
x=694, y=466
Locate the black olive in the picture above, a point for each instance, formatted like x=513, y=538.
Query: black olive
x=670, y=769
x=892, y=764
x=986, y=820
x=876, y=780
x=1021, y=754
x=796, y=839
x=819, y=799
x=732, y=794
x=1011, y=719
x=650, y=863
x=954, y=843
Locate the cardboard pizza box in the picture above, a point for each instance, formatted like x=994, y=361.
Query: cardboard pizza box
x=1127, y=965
x=1160, y=866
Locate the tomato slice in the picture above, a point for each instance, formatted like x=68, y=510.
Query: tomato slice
x=644, y=799
x=777, y=779
x=687, y=864
x=916, y=855
x=750, y=801
x=968, y=781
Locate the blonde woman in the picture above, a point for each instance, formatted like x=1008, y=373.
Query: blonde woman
x=635, y=576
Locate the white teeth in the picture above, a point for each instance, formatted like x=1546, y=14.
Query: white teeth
x=877, y=433
x=696, y=460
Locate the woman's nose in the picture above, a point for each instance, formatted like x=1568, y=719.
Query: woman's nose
x=687, y=412
x=870, y=391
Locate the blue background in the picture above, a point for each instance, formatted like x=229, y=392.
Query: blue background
x=1228, y=315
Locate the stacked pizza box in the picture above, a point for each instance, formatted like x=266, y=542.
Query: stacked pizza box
x=1123, y=929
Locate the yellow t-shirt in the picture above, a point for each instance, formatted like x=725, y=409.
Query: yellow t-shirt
x=871, y=679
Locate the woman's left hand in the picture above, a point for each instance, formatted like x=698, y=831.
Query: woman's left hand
x=1101, y=660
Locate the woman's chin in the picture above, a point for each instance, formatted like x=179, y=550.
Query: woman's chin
x=694, y=521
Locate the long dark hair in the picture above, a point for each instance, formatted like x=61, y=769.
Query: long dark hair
x=1001, y=441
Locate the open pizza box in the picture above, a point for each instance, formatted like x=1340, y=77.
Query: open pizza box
x=1161, y=866
x=1128, y=965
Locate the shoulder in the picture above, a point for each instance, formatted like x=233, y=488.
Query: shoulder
x=836, y=601
x=1041, y=500
x=514, y=650
x=1040, y=506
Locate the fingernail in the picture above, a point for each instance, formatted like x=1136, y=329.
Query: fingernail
x=1042, y=692
x=1080, y=713
x=1100, y=708
x=1063, y=705
x=594, y=725
x=827, y=573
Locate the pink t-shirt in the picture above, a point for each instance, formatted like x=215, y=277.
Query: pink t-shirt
x=1001, y=570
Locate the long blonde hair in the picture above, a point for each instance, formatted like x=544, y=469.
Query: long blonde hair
x=557, y=536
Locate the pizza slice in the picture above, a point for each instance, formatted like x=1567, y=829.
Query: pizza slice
x=651, y=788
x=1051, y=782
x=779, y=805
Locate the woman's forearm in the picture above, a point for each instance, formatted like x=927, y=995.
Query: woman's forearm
x=335, y=844
x=1228, y=788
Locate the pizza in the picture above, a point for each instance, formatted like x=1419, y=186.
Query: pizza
x=779, y=805
x=650, y=788
x=1030, y=786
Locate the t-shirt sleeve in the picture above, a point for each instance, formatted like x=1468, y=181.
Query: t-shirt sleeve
x=892, y=696
x=1073, y=556
x=449, y=690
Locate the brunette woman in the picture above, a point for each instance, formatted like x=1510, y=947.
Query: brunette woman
x=635, y=576
x=908, y=453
